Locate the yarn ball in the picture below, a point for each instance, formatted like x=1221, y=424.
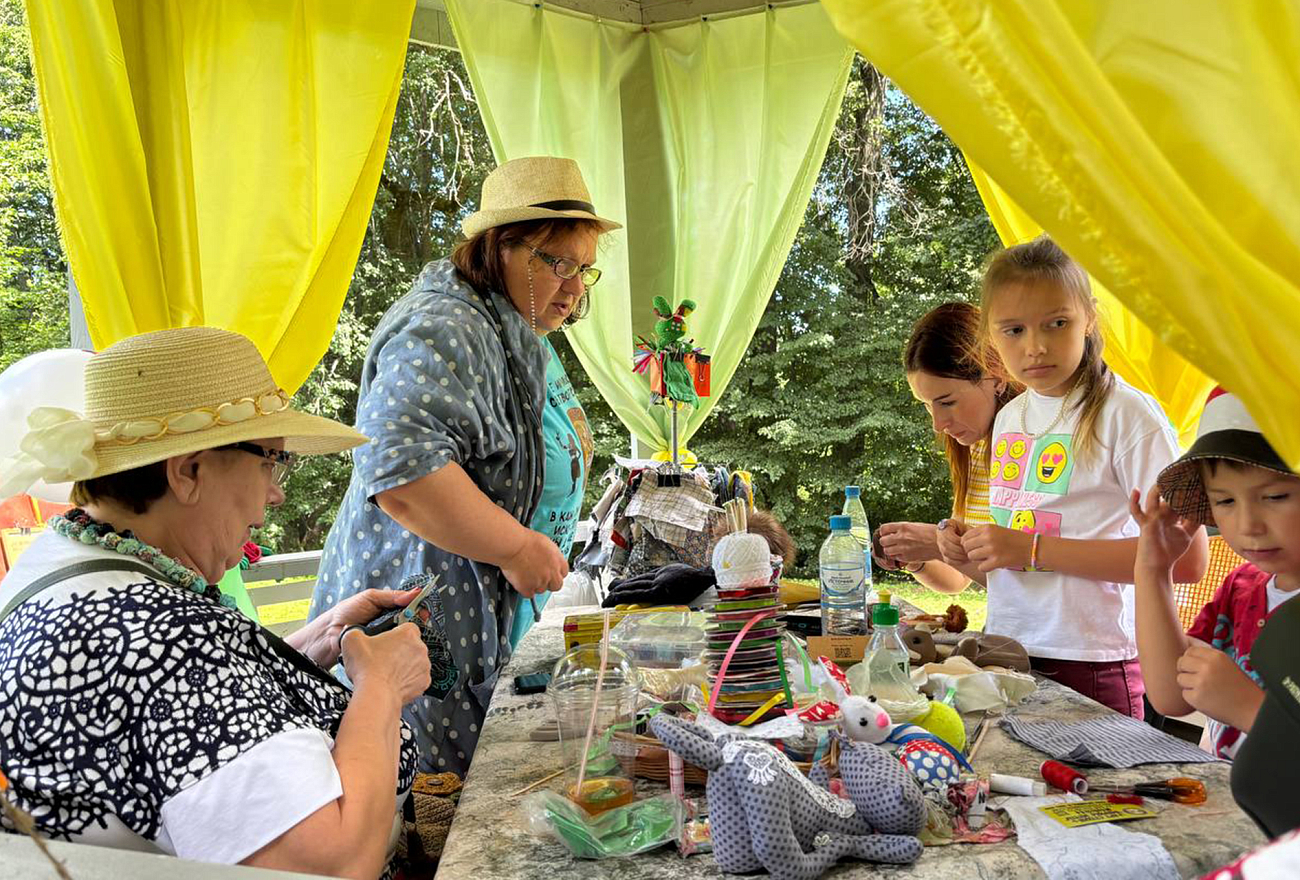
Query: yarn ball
x=944, y=722
x=742, y=559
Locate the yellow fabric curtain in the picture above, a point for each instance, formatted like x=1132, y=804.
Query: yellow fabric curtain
x=1154, y=140
x=1132, y=350
x=215, y=161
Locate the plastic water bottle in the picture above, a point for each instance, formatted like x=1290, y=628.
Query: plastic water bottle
x=889, y=668
x=842, y=581
x=860, y=528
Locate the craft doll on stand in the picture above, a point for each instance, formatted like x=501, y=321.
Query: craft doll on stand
x=678, y=371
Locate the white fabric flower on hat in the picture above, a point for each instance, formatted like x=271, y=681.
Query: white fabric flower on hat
x=59, y=447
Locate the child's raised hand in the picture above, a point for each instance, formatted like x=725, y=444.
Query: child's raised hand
x=992, y=547
x=1165, y=536
x=1213, y=683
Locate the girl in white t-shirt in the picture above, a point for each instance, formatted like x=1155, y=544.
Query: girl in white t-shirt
x=1066, y=455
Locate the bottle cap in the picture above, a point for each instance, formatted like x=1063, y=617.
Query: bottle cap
x=884, y=614
x=840, y=523
x=883, y=596
x=852, y=491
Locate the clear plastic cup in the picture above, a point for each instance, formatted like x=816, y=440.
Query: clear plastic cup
x=608, y=778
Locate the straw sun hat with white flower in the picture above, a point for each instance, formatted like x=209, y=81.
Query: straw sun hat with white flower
x=157, y=395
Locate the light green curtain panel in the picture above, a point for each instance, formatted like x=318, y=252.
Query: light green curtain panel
x=1155, y=140
x=704, y=139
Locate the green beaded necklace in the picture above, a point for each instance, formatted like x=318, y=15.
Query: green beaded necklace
x=77, y=525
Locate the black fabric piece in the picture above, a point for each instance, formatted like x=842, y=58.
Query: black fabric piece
x=565, y=205
x=1265, y=775
x=675, y=584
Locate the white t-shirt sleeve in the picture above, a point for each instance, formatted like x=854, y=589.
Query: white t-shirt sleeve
x=1139, y=462
x=245, y=804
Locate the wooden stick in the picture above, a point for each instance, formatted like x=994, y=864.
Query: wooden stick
x=979, y=738
x=528, y=788
x=24, y=824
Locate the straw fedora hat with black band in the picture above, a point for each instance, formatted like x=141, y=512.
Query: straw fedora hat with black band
x=534, y=188
x=161, y=394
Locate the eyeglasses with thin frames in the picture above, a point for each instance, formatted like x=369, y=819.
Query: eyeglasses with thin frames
x=282, y=463
x=566, y=268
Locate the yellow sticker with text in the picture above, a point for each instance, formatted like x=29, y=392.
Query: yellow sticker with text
x=1091, y=812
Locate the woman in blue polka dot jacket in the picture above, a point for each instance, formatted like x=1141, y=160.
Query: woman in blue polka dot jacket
x=473, y=472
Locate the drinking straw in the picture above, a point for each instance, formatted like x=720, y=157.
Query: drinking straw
x=595, y=700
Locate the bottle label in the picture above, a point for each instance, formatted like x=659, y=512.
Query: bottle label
x=842, y=581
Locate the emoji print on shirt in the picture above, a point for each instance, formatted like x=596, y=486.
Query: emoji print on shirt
x=1010, y=461
x=1051, y=465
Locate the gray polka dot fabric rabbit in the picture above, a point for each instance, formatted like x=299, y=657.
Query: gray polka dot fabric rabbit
x=764, y=813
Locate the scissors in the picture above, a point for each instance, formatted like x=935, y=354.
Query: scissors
x=1179, y=790
x=409, y=614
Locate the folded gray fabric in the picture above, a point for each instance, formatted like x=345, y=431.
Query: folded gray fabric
x=1110, y=741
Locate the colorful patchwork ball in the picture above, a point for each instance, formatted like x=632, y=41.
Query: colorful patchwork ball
x=931, y=764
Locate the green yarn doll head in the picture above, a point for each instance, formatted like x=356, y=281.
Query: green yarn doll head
x=671, y=326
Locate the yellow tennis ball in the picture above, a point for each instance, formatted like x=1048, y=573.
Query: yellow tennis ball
x=944, y=722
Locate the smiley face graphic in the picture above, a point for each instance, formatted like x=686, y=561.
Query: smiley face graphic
x=1052, y=462
x=1001, y=449
x=1018, y=449
x=1022, y=521
x=995, y=470
x=1010, y=472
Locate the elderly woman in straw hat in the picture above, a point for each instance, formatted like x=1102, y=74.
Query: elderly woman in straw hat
x=138, y=708
x=479, y=447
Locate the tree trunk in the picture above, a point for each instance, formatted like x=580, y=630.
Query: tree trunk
x=865, y=175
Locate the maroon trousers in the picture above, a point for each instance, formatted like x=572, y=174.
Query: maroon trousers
x=1114, y=683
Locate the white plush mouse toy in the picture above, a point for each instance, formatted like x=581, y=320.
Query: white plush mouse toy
x=864, y=720
x=932, y=761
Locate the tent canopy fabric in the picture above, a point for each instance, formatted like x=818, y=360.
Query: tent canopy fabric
x=215, y=163
x=704, y=139
x=1155, y=141
x=1154, y=144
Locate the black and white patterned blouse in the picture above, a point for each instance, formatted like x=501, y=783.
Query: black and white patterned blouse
x=136, y=714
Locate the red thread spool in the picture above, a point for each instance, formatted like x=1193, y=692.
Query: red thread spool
x=1065, y=778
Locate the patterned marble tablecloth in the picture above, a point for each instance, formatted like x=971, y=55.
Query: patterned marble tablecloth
x=489, y=839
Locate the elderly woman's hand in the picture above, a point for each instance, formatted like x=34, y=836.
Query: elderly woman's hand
x=397, y=659
x=319, y=640
x=537, y=566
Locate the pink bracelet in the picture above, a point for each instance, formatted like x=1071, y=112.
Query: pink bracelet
x=1033, y=553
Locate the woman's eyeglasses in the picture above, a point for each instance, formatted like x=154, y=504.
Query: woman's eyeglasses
x=566, y=268
x=282, y=463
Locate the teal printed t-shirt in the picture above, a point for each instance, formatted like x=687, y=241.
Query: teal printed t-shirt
x=568, y=443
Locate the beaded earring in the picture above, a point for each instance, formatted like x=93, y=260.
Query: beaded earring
x=532, y=304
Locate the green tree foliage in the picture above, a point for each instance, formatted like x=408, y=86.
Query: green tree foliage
x=33, y=280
